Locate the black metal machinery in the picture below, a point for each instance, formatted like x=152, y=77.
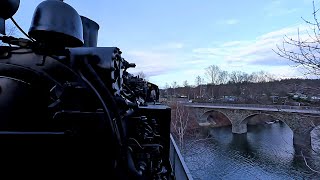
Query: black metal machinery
x=71, y=109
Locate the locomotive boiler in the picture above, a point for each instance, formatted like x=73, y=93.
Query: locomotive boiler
x=70, y=109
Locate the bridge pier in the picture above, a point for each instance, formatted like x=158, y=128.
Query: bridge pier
x=302, y=140
x=239, y=128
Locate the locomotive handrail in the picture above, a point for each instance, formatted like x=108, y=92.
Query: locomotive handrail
x=179, y=167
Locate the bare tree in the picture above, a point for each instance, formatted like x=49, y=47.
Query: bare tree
x=212, y=74
x=223, y=77
x=174, y=86
x=185, y=83
x=186, y=88
x=304, y=51
x=261, y=76
x=142, y=75
x=238, y=77
x=179, y=122
x=166, y=87
x=245, y=77
x=199, y=81
x=11, y=30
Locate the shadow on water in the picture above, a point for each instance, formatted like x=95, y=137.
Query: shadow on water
x=240, y=143
x=298, y=160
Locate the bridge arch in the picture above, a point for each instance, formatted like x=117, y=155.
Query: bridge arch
x=247, y=118
x=212, y=115
x=301, y=127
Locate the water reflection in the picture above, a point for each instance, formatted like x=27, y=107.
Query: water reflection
x=265, y=152
x=240, y=143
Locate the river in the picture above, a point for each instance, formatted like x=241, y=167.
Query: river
x=265, y=152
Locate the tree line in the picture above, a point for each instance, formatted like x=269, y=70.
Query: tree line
x=216, y=76
x=240, y=87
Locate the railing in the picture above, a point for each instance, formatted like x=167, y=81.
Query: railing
x=259, y=106
x=179, y=167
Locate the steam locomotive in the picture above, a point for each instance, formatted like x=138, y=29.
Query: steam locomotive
x=70, y=109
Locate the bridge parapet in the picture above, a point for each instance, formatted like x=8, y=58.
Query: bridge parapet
x=279, y=107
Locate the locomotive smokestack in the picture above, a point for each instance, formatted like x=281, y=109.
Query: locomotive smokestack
x=90, y=32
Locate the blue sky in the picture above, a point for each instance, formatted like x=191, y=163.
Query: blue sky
x=175, y=40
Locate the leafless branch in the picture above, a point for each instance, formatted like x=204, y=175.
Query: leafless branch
x=306, y=163
x=304, y=51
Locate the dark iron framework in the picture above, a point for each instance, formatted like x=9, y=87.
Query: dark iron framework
x=69, y=108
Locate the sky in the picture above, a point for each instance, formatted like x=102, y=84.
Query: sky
x=175, y=40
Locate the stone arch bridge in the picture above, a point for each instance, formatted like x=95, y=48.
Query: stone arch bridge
x=301, y=119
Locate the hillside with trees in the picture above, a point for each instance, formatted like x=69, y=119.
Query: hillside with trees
x=284, y=92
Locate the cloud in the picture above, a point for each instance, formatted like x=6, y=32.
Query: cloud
x=174, y=61
x=307, y=1
x=231, y=21
x=154, y=63
x=173, y=45
x=234, y=43
x=255, y=52
x=168, y=46
x=228, y=22
x=286, y=72
x=278, y=8
x=150, y=62
x=288, y=31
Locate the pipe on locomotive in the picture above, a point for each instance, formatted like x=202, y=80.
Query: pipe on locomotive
x=90, y=32
x=90, y=37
